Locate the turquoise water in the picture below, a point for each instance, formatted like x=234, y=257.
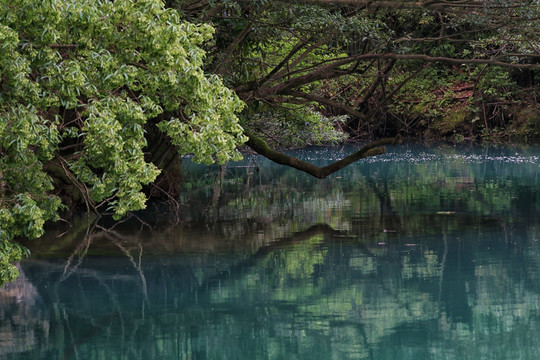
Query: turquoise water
x=423, y=253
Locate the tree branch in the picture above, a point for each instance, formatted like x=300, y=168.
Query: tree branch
x=371, y=89
x=458, y=61
x=322, y=100
x=279, y=66
x=285, y=73
x=403, y=83
x=332, y=70
x=442, y=5
x=232, y=46
x=371, y=149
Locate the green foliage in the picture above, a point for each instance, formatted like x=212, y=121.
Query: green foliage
x=307, y=37
x=80, y=82
x=293, y=126
x=494, y=83
x=264, y=47
x=85, y=85
x=9, y=253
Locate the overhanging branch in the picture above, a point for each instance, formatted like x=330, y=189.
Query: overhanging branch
x=371, y=149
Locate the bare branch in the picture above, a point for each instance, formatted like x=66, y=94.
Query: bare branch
x=458, y=61
x=322, y=100
x=232, y=46
x=371, y=149
x=371, y=89
x=403, y=83
x=333, y=70
x=296, y=61
x=279, y=66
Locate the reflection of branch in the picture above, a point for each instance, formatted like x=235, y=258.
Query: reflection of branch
x=65, y=232
x=385, y=202
x=127, y=218
x=137, y=267
x=299, y=237
x=95, y=329
x=86, y=244
x=112, y=236
x=96, y=326
x=217, y=185
x=68, y=270
x=443, y=264
x=68, y=353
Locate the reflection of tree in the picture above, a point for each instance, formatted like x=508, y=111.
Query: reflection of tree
x=254, y=272
x=315, y=292
x=454, y=287
x=398, y=190
x=390, y=219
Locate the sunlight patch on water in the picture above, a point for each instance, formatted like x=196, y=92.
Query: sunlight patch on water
x=425, y=157
x=408, y=157
x=516, y=159
x=417, y=155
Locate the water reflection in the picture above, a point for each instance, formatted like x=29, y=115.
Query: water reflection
x=419, y=254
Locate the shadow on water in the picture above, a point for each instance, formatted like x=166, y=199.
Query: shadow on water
x=423, y=253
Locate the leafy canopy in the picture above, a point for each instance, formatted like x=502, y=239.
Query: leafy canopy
x=360, y=58
x=80, y=80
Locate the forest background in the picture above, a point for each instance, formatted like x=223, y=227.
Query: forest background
x=100, y=100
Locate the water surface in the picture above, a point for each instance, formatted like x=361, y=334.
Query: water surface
x=423, y=253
